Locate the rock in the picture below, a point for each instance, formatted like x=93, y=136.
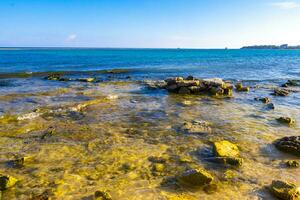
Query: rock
x=196, y=127
x=190, y=78
x=158, y=167
x=153, y=85
x=44, y=196
x=184, y=90
x=290, y=83
x=226, y=153
x=285, y=190
x=53, y=77
x=7, y=181
x=18, y=163
x=270, y=106
x=264, y=100
x=286, y=120
x=155, y=159
x=281, y=92
x=214, y=82
x=225, y=149
x=235, y=161
x=292, y=163
x=240, y=88
x=196, y=177
x=211, y=188
x=102, y=195
x=289, y=144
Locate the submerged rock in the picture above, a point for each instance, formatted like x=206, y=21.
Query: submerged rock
x=88, y=80
x=18, y=162
x=270, y=106
x=285, y=190
x=195, y=177
x=7, y=181
x=264, y=100
x=53, y=77
x=292, y=163
x=102, y=195
x=286, y=120
x=281, y=92
x=240, y=88
x=196, y=127
x=290, y=83
x=289, y=144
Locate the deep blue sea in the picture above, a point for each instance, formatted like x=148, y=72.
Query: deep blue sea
x=254, y=65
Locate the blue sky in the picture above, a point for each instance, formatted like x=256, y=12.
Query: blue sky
x=149, y=23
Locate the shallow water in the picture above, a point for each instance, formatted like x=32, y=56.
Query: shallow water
x=84, y=137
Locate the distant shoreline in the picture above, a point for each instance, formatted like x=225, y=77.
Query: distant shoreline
x=281, y=47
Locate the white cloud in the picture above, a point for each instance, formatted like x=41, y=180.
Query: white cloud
x=286, y=5
x=71, y=37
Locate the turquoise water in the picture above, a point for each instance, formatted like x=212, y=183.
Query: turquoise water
x=229, y=64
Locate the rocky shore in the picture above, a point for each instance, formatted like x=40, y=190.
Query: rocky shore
x=190, y=143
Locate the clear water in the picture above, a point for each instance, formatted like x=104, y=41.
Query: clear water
x=107, y=144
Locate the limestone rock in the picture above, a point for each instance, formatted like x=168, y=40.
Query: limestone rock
x=225, y=149
x=285, y=190
x=196, y=127
x=7, y=181
x=289, y=144
x=196, y=177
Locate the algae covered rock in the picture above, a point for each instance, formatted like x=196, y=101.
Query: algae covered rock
x=225, y=149
x=196, y=127
x=264, y=99
x=240, y=88
x=102, y=195
x=281, y=92
x=195, y=177
x=7, y=181
x=290, y=83
x=286, y=120
x=226, y=153
x=292, y=163
x=285, y=190
x=289, y=144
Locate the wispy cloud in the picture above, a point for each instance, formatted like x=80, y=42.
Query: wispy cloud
x=287, y=5
x=71, y=37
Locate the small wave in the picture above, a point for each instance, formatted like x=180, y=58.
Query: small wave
x=38, y=74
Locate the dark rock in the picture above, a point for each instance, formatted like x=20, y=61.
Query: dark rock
x=195, y=177
x=270, y=106
x=290, y=83
x=264, y=100
x=292, y=163
x=190, y=78
x=102, y=195
x=289, y=144
x=286, y=120
x=53, y=77
x=285, y=190
x=196, y=127
x=184, y=90
x=281, y=92
x=7, y=181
